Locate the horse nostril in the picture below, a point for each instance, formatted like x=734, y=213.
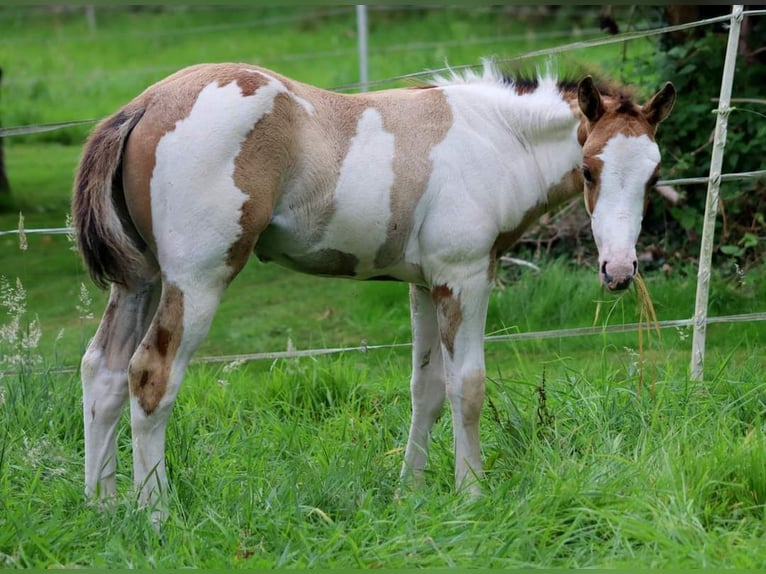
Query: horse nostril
x=605, y=277
x=635, y=267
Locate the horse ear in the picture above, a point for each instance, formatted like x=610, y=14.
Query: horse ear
x=589, y=99
x=659, y=106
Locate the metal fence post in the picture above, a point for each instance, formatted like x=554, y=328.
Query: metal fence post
x=361, y=28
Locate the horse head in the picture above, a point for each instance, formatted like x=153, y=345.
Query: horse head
x=620, y=163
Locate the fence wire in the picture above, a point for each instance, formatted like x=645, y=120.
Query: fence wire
x=617, y=38
x=726, y=177
x=501, y=338
x=507, y=337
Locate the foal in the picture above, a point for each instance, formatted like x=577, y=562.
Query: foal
x=428, y=186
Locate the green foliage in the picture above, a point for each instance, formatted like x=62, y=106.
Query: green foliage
x=695, y=65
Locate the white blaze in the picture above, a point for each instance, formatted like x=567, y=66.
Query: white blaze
x=629, y=162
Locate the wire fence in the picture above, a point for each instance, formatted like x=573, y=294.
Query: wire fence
x=540, y=335
x=292, y=353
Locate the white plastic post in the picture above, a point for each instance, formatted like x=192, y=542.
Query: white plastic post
x=711, y=204
x=361, y=29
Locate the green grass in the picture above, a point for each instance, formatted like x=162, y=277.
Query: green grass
x=295, y=463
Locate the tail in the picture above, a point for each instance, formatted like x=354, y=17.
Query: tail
x=106, y=238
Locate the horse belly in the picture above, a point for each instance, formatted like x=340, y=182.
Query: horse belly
x=345, y=226
x=344, y=249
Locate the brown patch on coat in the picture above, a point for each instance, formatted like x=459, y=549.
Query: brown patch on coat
x=150, y=366
x=450, y=315
x=569, y=186
x=419, y=120
x=261, y=167
x=313, y=148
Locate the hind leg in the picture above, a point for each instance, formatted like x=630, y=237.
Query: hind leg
x=105, y=382
x=156, y=372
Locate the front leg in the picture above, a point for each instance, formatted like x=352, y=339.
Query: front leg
x=462, y=311
x=427, y=383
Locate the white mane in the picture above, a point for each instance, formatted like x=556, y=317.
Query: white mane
x=491, y=74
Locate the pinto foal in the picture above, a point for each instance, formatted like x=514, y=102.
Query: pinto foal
x=428, y=186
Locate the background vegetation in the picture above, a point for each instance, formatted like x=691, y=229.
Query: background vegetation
x=599, y=450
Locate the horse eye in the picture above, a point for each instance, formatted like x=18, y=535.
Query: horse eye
x=587, y=175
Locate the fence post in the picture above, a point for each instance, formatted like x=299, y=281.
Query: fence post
x=90, y=16
x=5, y=187
x=711, y=204
x=361, y=28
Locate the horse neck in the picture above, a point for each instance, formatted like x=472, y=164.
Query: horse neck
x=546, y=123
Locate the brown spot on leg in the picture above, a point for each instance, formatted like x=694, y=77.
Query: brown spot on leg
x=473, y=396
x=426, y=359
x=163, y=341
x=450, y=315
x=150, y=366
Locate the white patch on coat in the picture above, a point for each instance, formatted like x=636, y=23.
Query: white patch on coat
x=629, y=162
x=196, y=206
x=521, y=145
x=362, y=198
x=308, y=106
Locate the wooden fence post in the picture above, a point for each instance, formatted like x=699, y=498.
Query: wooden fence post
x=711, y=205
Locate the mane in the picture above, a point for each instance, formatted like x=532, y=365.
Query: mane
x=524, y=83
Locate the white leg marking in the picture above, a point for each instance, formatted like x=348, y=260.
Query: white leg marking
x=105, y=385
x=427, y=384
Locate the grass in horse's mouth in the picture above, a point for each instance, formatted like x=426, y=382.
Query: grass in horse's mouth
x=647, y=320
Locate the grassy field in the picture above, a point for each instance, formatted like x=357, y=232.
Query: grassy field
x=295, y=463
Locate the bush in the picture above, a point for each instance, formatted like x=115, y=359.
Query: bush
x=695, y=65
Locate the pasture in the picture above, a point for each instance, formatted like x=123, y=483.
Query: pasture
x=599, y=452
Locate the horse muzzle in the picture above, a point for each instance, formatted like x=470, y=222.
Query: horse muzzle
x=617, y=276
